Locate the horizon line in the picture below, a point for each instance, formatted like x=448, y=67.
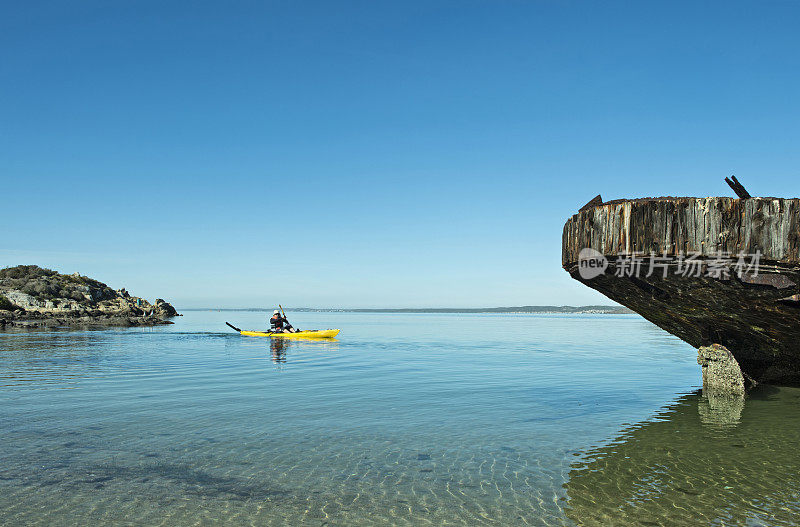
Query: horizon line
x=604, y=307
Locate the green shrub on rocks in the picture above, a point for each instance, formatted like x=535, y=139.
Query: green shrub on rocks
x=27, y=272
x=6, y=304
x=45, y=284
x=42, y=289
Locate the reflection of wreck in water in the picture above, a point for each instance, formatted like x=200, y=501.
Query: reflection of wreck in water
x=699, y=462
x=754, y=314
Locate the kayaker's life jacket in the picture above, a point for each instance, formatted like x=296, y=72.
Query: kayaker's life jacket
x=276, y=322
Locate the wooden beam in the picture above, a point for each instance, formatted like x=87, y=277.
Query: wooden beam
x=738, y=188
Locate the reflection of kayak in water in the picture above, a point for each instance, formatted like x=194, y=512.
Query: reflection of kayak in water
x=311, y=334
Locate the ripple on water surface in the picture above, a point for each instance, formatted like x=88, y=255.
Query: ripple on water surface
x=501, y=419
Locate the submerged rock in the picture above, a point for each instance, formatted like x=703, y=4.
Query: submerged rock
x=697, y=461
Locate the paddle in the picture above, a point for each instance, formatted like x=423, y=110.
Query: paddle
x=239, y=330
x=284, y=317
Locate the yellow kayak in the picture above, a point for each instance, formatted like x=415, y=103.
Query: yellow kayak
x=311, y=334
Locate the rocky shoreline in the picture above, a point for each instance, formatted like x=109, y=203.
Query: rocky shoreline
x=33, y=297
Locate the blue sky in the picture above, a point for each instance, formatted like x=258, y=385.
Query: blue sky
x=373, y=153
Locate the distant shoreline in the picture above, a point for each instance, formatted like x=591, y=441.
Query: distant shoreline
x=602, y=310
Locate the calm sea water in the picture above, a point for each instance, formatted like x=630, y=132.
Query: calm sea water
x=405, y=419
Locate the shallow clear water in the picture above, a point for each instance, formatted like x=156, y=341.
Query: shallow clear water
x=405, y=419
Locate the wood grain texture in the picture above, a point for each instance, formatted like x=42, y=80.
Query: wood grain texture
x=756, y=317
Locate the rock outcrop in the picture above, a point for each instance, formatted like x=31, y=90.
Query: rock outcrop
x=708, y=270
x=34, y=297
x=164, y=309
x=721, y=373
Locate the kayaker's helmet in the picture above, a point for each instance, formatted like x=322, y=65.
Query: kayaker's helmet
x=276, y=312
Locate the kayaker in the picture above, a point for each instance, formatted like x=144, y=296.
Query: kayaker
x=279, y=323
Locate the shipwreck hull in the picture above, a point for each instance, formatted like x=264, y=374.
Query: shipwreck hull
x=752, y=310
